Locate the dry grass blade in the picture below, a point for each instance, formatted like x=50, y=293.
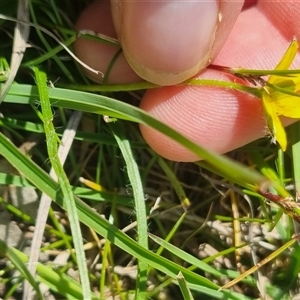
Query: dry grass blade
x=45, y=202
x=260, y=264
x=28, y=24
x=21, y=35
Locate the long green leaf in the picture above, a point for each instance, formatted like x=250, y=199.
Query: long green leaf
x=107, y=106
x=139, y=205
x=68, y=196
x=185, y=256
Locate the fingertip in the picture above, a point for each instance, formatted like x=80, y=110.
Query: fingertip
x=97, y=18
x=167, y=42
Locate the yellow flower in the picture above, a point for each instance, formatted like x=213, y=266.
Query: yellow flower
x=280, y=97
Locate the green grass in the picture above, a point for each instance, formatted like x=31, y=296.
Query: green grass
x=150, y=228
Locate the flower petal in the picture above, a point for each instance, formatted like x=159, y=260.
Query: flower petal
x=285, y=62
x=273, y=121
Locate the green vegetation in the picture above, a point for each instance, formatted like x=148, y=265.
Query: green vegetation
x=124, y=222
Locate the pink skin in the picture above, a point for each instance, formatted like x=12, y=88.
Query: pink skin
x=216, y=118
x=169, y=41
x=97, y=17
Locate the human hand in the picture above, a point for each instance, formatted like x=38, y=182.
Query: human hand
x=216, y=118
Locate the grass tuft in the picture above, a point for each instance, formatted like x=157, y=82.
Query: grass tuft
x=124, y=222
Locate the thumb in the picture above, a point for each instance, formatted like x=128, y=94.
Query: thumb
x=167, y=42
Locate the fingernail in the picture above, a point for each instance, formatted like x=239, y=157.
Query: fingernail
x=166, y=42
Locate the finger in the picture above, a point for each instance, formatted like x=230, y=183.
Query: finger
x=220, y=119
x=97, y=18
x=167, y=42
x=217, y=119
x=285, y=14
x=261, y=43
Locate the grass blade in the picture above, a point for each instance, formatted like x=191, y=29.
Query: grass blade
x=58, y=281
x=107, y=106
x=20, y=265
x=52, y=140
x=139, y=204
x=186, y=293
